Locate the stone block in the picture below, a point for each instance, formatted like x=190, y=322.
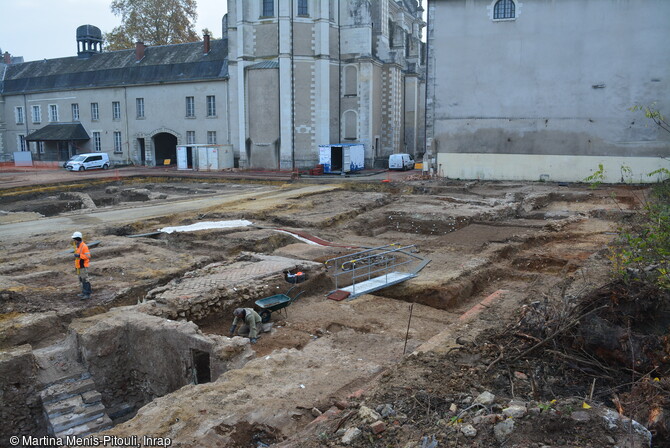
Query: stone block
x=92, y=396
x=84, y=415
x=90, y=427
x=486, y=398
x=368, y=415
x=63, y=406
x=378, y=427
x=341, y=404
x=65, y=390
x=503, y=429
x=515, y=411
x=351, y=435
x=469, y=431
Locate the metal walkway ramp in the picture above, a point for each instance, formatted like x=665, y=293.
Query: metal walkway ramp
x=374, y=269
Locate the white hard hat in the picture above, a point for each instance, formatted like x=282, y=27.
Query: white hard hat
x=76, y=235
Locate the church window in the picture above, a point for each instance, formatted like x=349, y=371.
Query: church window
x=350, y=125
x=268, y=8
x=302, y=8
x=504, y=9
x=350, y=81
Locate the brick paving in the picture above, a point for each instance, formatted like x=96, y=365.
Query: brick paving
x=241, y=273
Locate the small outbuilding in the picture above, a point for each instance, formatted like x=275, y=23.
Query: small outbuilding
x=205, y=157
x=340, y=158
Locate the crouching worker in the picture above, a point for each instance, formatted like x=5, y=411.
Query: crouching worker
x=252, y=324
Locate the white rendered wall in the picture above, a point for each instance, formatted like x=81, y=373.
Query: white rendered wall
x=550, y=168
x=557, y=81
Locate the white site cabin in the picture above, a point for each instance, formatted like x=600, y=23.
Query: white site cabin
x=205, y=157
x=342, y=158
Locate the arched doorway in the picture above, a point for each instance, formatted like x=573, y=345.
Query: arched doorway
x=165, y=146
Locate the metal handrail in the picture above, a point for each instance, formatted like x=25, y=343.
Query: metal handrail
x=385, y=269
x=373, y=262
x=359, y=259
x=361, y=252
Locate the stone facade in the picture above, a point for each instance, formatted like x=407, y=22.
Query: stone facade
x=341, y=75
x=546, y=94
x=274, y=87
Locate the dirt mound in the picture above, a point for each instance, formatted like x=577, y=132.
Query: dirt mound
x=578, y=372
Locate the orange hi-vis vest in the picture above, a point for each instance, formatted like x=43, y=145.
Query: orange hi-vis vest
x=84, y=256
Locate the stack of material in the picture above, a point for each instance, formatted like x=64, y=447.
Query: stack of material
x=317, y=171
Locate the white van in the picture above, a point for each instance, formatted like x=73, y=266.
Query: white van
x=91, y=161
x=401, y=162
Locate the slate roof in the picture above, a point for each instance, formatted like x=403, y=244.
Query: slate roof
x=263, y=65
x=59, y=132
x=161, y=64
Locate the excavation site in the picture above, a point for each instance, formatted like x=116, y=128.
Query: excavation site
x=414, y=312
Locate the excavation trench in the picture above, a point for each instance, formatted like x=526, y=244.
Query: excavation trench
x=318, y=350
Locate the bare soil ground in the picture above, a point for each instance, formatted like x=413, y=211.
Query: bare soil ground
x=538, y=250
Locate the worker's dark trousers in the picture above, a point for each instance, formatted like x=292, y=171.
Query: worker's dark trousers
x=245, y=330
x=85, y=284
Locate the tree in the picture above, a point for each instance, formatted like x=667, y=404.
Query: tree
x=654, y=114
x=154, y=22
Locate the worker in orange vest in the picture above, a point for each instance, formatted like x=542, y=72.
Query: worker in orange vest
x=82, y=258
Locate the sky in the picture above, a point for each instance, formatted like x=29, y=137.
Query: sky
x=46, y=29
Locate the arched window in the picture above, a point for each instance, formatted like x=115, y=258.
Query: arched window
x=350, y=81
x=504, y=9
x=350, y=125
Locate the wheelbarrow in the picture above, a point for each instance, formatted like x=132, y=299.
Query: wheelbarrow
x=278, y=302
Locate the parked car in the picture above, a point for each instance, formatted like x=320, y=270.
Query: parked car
x=402, y=161
x=91, y=161
x=68, y=161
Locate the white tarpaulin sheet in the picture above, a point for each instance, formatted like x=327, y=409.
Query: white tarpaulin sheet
x=206, y=225
x=298, y=237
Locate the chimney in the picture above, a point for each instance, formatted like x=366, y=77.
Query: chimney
x=206, y=39
x=139, y=50
x=7, y=58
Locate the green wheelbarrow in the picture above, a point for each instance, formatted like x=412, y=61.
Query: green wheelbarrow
x=277, y=302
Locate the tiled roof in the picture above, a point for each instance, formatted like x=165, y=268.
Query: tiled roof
x=59, y=131
x=161, y=64
x=263, y=65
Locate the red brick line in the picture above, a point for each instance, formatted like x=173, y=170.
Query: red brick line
x=483, y=304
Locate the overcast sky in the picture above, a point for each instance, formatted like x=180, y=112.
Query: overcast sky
x=46, y=29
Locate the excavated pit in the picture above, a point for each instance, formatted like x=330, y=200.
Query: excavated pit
x=106, y=368
x=478, y=241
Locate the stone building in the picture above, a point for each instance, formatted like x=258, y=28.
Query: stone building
x=136, y=105
x=287, y=76
x=309, y=72
x=542, y=89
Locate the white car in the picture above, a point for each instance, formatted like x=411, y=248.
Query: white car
x=91, y=161
x=402, y=161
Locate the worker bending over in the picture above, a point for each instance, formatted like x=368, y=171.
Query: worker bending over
x=82, y=258
x=252, y=323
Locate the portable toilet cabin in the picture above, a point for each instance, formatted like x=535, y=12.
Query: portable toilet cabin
x=342, y=158
x=205, y=157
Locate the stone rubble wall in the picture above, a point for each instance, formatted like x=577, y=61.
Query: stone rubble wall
x=134, y=358
x=209, y=290
x=20, y=405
